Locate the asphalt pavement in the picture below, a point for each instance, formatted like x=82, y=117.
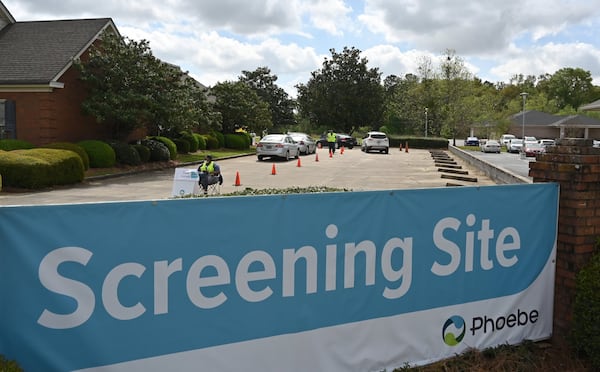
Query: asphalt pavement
x=353, y=170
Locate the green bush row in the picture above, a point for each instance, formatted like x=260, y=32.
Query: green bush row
x=418, y=142
x=39, y=168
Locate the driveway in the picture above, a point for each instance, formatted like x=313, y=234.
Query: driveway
x=352, y=170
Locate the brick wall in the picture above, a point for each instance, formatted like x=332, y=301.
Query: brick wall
x=45, y=117
x=575, y=165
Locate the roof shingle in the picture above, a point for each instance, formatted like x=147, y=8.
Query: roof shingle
x=36, y=52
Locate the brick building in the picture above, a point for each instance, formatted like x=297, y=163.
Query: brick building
x=40, y=93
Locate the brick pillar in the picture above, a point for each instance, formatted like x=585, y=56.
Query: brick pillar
x=575, y=165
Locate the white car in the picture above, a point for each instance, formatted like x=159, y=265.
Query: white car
x=277, y=145
x=490, y=146
x=305, y=142
x=505, y=139
x=515, y=145
x=376, y=141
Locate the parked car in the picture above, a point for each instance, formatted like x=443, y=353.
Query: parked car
x=277, y=145
x=533, y=148
x=515, y=145
x=546, y=142
x=472, y=141
x=345, y=140
x=342, y=139
x=596, y=143
x=490, y=146
x=305, y=142
x=505, y=139
x=530, y=139
x=376, y=141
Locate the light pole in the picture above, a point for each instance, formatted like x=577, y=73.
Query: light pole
x=524, y=95
x=425, y=121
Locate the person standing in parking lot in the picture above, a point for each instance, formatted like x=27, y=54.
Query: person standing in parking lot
x=331, y=138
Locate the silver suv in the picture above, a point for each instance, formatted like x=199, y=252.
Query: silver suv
x=376, y=141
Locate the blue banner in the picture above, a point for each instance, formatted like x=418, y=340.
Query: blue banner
x=97, y=284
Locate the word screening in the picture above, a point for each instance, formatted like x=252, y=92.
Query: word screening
x=208, y=275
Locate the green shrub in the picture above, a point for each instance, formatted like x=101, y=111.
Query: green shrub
x=39, y=168
x=73, y=147
x=158, y=150
x=183, y=145
x=9, y=365
x=192, y=139
x=586, y=311
x=201, y=141
x=13, y=144
x=211, y=142
x=237, y=141
x=171, y=146
x=143, y=152
x=125, y=153
x=100, y=153
x=220, y=139
x=418, y=142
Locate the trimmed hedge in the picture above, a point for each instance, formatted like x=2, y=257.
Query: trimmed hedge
x=418, y=142
x=201, y=141
x=125, y=153
x=211, y=142
x=158, y=150
x=13, y=144
x=192, y=139
x=237, y=141
x=220, y=139
x=40, y=168
x=143, y=152
x=183, y=145
x=171, y=146
x=73, y=147
x=100, y=153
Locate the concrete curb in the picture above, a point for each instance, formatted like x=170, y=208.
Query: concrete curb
x=498, y=174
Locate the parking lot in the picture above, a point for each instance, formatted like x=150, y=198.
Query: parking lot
x=352, y=170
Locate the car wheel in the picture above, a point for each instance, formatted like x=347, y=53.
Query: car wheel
x=260, y=157
x=350, y=147
x=386, y=151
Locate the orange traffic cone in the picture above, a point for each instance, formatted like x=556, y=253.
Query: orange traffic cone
x=237, y=179
x=406, y=147
x=316, y=156
x=330, y=154
x=273, y=171
x=299, y=163
x=342, y=151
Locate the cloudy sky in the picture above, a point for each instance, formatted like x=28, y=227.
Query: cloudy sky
x=216, y=40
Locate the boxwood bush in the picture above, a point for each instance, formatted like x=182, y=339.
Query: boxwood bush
x=192, y=139
x=183, y=145
x=237, y=141
x=73, y=147
x=171, y=146
x=143, y=152
x=125, y=153
x=100, y=153
x=220, y=139
x=13, y=144
x=211, y=142
x=158, y=150
x=40, y=168
x=201, y=141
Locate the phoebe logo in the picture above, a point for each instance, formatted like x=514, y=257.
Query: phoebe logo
x=454, y=330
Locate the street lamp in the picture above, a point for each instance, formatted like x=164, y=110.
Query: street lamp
x=425, y=121
x=524, y=95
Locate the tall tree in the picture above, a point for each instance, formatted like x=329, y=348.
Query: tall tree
x=569, y=87
x=128, y=88
x=344, y=94
x=240, y=106
x=280, y=104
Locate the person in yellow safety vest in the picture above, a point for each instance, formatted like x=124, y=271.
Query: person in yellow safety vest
x=210, y=173
x=331, y=139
